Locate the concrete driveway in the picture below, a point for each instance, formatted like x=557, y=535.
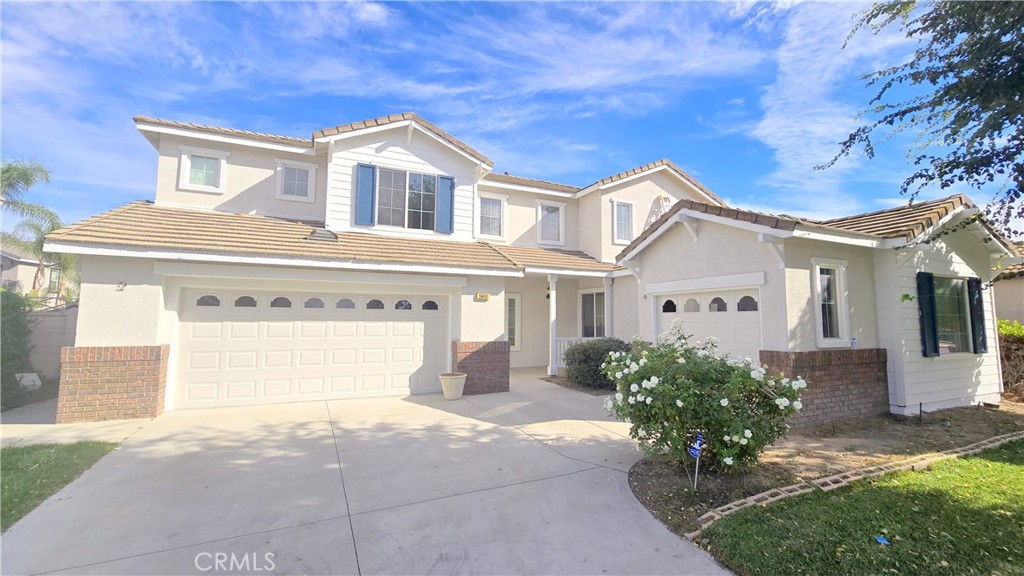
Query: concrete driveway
x=527, y=482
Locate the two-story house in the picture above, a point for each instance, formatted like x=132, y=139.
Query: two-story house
x=371, y=257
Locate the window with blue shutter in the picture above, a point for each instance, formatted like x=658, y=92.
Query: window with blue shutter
x=445, y=204
x=366, y=189
x=975, y=299
x=926, y=311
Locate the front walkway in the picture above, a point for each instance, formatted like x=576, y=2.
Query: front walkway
x=532, y=481
x=35, y=424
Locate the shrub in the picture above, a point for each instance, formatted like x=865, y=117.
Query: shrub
x=14, y=343
x=1011, y=354
x=583, y=361
x=671, y=391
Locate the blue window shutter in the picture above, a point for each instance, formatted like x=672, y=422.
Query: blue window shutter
x=975, y=296
x=445, y=204
x=926, y=310
x=366, y=190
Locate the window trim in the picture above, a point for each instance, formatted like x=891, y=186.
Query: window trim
x=561, y=222
x=579, y=312
x=842, y=302
x=966, y=297
x=503, y=198
x=310, y=196
x=518, y=298
x=405, y=210
x=615, y=222
x=185, y=169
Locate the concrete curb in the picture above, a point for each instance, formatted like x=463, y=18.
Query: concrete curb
x=828, y=483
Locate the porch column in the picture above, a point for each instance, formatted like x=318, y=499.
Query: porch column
x=553, y=359
x=609, y=328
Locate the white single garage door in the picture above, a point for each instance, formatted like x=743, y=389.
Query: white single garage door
x=246, y=347
x=732, y=316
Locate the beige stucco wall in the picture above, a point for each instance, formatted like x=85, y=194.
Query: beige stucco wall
x=482, y=321
x=250, y=181
x=1009, y=297
x=800, y=312
x=718, y=251
x=110, y=315
x=533, y=347
x=625, y=303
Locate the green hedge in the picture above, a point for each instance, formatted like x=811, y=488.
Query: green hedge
x=14, y=344
x=1011, y=353
x=583, y=362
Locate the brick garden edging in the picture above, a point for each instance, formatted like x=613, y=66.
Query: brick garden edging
x=834, y=481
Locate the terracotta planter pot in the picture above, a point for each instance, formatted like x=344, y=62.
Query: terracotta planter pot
x=452, y=384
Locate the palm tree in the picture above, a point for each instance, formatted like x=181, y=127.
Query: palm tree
x=29, y=236
x=17, y=177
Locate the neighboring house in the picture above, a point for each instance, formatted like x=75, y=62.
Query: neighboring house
x=1009, y=290
x=18, y=271
x=362, y=261
x=373, y=256
x=849, y=303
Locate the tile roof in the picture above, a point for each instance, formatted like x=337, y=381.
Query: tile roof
x=146, y=225
x=272, y=138
x=906, y=222
x=551, y=258
x=392, y=118
x=1013, y=270
x=521, y=181
x=653, y=165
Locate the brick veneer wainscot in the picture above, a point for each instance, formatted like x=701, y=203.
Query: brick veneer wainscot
x=486, y=365
x=841, y=383
x=111, y=383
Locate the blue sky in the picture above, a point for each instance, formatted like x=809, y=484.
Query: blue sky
x=747, y=97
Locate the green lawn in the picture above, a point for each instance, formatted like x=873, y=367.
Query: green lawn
x=962, y=516
x=31, y=474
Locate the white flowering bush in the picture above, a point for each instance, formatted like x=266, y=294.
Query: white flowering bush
x=671, y=391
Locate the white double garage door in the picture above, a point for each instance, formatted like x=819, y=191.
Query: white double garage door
x=731, y=316
x=246, y=347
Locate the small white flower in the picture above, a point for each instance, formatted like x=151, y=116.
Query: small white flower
x=748, y=434
x=603, y=365
x=679, y=403
x=609, y=404
x=735, y=438
x=649, y=399
x=618, y=375
x=724, y=401
x=727, y=438
x=654, y=380
x=756, y=375
x=641, y=433
x=680, y=360
x=744, y=441
x=727, y=460
x=633, y=387
x=618, y=397
x=703, y=353
x=634, y=367
x=798, y=405
x=643, y=361
x=632, y=399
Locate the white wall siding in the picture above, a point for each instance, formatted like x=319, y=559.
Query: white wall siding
x=951, y=379
x=387, y=149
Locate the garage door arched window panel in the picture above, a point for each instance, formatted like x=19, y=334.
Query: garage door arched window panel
x=668, y=307
x=430, y=305
x=375, y=304
x=403, y=305
x=746, y=304
x=717, y=304
x=691, y=305
x=208, y=300
x=280, y=302
x=313, y=303
x=245, y=302
x=345, y=303
x=831, y=303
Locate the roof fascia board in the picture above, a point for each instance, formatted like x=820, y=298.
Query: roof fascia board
x=680, y=177
x=683, y=214
x=401, y=124
x=567, y=272
x=622, y=273
x=238, y=141
x=530, y=189
x=959, y=213
x=838, y=238
x=244, y=272
x=94, y=250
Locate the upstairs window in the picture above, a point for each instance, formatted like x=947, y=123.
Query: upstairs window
x=404, y=199
x=492, y=212
x=622, y=214
x=296, y=181
x=550, y=222
x=202, y=170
